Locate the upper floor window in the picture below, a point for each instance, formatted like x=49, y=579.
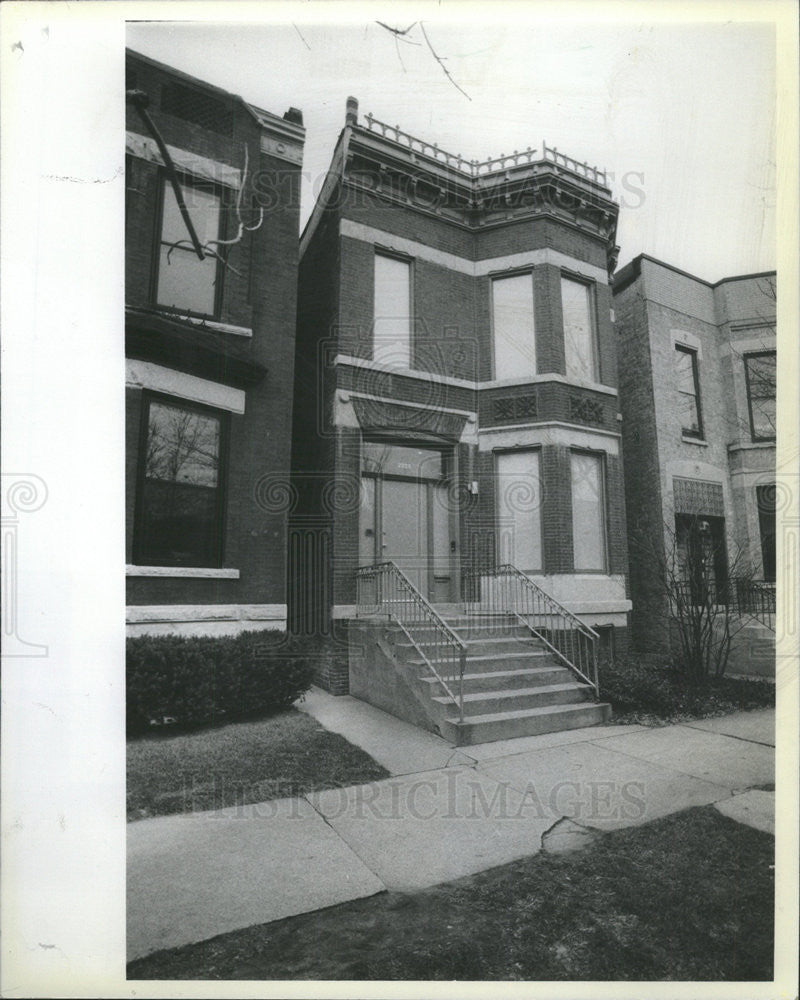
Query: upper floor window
x=184, y=281
x=180, y=496
x=392, y=320
x=577, y=304
x=688, y=386
x=513, y=325
x=760, y=370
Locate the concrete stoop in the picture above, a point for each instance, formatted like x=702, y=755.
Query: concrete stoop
x=513, y=686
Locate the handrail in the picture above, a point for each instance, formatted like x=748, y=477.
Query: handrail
x=397, y=597
x=505, y=590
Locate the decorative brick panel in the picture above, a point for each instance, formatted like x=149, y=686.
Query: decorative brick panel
x=585, y=410
x=694, y=496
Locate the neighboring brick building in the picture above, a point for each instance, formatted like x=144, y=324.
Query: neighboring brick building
x=697, y=393
x=456, y=379
x=209, y=353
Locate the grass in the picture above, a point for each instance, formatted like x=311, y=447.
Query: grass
x=688, y=897
x=640, y=693
x=283, y=755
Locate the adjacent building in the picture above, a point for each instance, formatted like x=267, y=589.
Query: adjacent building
x=456, y=402
x=697, y=394
x=210, y=313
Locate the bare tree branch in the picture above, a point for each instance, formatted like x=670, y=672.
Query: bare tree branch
x=441, y=63
x=301, y=36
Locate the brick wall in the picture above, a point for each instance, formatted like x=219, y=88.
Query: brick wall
x=260, y=440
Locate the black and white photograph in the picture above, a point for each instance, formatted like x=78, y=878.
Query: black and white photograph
x=401, y=499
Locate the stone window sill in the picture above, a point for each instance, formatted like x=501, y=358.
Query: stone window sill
x=698, y=441
x=200, y=572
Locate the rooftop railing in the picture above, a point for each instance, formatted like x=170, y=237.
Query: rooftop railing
x=492, y=166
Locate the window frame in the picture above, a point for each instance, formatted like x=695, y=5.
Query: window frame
x=591, y=289
x=500, y=276
x=498, y=453
x=746, y=358
x=601, y=456
x=221, y=512
x=187, y=181
x=699, y=434
x=380, y=251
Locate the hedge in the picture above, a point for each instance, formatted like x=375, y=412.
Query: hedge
x=191, y=681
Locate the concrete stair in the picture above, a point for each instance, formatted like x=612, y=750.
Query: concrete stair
x=513, y=685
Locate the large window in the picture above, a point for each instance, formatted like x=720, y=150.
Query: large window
x=588, y=512
x=184, y=281
x=760, y=371
x=577, y=304
x=392, y=324
x=512, y=319
x=180, y=502
x=688, y=386
x=765, y=501
x=519, y=509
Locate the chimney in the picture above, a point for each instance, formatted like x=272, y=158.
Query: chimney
x=351, y=118
x=294, y=115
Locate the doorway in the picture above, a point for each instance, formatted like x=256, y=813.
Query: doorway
x=407, y=515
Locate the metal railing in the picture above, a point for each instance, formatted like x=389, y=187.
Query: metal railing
x=505, y=590
x=385, y=590
x=490, y=166
x=743, y=597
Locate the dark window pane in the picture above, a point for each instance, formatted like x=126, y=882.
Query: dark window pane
x=685, y=364
x=179, y=507
x=761, y=384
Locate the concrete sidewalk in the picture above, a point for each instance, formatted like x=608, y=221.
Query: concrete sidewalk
x=443, y=813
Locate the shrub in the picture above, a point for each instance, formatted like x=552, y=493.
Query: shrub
x=642, y=692
x=190, y=681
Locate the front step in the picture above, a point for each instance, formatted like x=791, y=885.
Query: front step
x=526, y=722
x=480, y=703
x=502, y=680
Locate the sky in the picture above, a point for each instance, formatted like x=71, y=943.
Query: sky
x=682, y=115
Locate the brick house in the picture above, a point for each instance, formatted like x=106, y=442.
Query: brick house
x=209, y=346
x=456, y=403
x=697, y=394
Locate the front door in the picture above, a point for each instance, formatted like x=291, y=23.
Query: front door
x=406, y=516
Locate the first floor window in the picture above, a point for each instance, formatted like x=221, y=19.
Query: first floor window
x=519, y=509
x=765, y=500
x=184, y=281
x=761, y=383
x=588, y=512
x=180, y=502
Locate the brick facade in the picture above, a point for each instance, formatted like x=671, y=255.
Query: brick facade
x=239, y=358
x=658, y=307
x=455, y=240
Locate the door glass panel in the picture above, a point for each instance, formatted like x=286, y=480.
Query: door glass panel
x=366, y=523
x=519, y=509
x=441, y=531
x=514, y=337
x=401, y=460
x=405, y=529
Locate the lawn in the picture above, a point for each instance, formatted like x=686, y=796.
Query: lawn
x=688, y=897
x=282, y=755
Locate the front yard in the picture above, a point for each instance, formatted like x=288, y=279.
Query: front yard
x=688, y=897
x=282, y=755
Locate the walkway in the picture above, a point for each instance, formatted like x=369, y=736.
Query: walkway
x=443, y=813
